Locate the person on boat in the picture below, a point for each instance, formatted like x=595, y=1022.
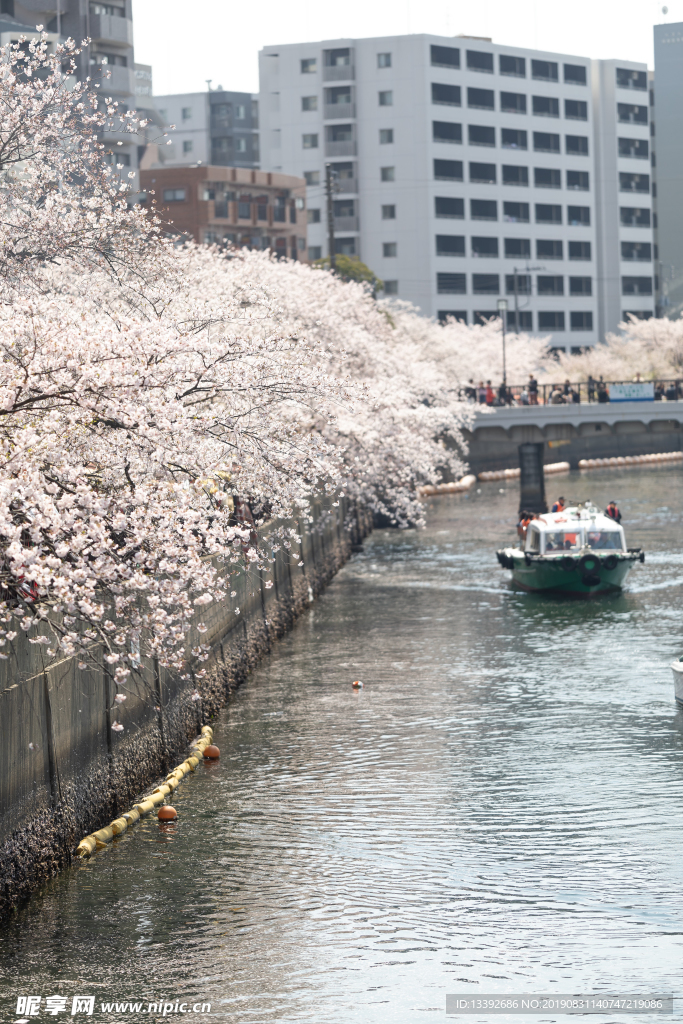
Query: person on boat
x=524, y=520
x=613, y=512
x=559, y=505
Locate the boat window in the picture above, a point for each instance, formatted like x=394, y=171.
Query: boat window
x=600, y=540
x=533, y=540
x=563, y=540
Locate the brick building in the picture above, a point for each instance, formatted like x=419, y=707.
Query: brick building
x=234, y=205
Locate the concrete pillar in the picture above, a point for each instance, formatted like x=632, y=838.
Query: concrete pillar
x=531, y=481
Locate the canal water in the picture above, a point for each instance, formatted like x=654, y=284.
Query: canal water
x=500, y=809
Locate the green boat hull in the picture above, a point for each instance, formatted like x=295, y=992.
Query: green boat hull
x=541, y=573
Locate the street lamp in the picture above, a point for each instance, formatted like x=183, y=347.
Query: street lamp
x=502, y=309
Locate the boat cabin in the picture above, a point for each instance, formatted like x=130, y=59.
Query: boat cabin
x=574, y=530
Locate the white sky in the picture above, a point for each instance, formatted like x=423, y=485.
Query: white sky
x=186, y=43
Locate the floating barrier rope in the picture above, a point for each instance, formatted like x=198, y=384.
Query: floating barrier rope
x=98, y=840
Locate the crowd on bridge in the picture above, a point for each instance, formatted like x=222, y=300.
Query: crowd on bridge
x=568, y=393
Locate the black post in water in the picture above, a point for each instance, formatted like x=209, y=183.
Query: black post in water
x=531, y=482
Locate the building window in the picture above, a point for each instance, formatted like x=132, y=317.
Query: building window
x=188, y=145
x=629, y=113
x=308, y=65
x=486, y=284
x=580, y=286
x=446, y=131
x=448, y=170
x=389, y=212
x=576, y=110
x=480, y=99
x=444, y=315
x=548, y=214
x=309, y=102
x=310, y=141
x=240, y=145
x=386, y=98
x=481, y=135
x=484, y=247
x=387, y=173
x=578, y=180
x=636, y=148
x=514, y=66
x=575, y=74
x=447, y=95
x=338, y=96
x=513, y=138
x=550, y=321
x=516, y=213
x=580, y=251
x=483, y=209
x=636, y=286
x=513, y=103
x=636, y=251
x=383, y=60
x=628, y=79
x=312, y=177
x=450, y=245
x=445, y=57
x=345, y=246
x=637, y=314
x=634, y=182
x=546, y=177
x=314, y=215
x=548, y=250
x=244, y=209
x=344, y=207
x=632, y=217
x=451, y=284
x=240, y=112
x=545, y=106
x=315, y=252
x=517, y=248
x=444, y=206
x=386, y=135
x=544, y=70
x=520, y=320
x=483, y=174
x=481, y=317
x=544, y=142
x=477, y=60
x=519, y=284
x=391, y=287
x=186, y=113
x=576, y=145
x=547, y=285
x=389, y=249
x=174, y=195
x=513, y=175
x=581, y=321
x=578, y=216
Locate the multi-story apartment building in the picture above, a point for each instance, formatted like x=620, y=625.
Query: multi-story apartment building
x=256, y=209
x=667, y=140
x=216, y=127
x=466, y=171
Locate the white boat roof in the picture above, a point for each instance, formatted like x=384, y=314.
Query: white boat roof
x=585, y=514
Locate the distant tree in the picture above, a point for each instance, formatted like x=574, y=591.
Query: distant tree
x=350, y=268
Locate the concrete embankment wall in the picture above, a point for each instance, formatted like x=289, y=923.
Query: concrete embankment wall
x=65, y=773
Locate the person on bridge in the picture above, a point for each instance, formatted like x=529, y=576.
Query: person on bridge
x=490, y=396
x=559, y=505
x=613, y=512
x=532, y=388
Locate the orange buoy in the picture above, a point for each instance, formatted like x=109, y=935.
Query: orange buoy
x=357, y=685
x=212, y=753
x=167, y=813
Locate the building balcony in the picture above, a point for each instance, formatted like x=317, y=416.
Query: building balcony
x=109, y=28
x=114, y=80
x=339, y=111
x=345, y=186
x=346, y=148
x=345, y=224
x=339, y=73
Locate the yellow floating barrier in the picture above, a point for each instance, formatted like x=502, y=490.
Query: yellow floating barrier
x=98, y=840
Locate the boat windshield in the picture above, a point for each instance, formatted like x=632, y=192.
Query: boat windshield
x=600, y=540
x=563, y=540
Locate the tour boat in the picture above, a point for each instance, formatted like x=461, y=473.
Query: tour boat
x=576, y=551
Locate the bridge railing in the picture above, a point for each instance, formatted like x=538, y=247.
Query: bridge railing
x=577, y=392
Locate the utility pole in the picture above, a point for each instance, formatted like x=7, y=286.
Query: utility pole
x=503, y=310
x=330, y=216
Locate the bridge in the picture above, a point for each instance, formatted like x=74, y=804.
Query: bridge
x=572, y=432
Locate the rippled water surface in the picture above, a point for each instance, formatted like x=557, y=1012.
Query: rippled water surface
x=500, y=809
